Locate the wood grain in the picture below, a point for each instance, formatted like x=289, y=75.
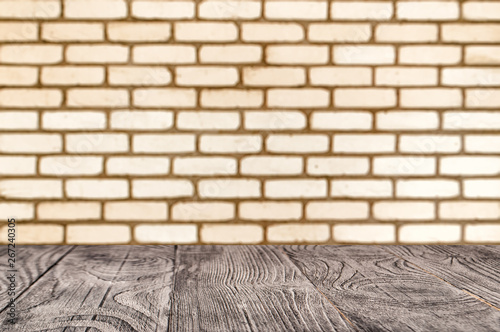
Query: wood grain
x=378, y=291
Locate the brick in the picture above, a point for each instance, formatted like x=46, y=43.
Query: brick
x=18, y=120
x=137, y=165
x=365, y=55
x=270, y=211
x=166, y=234
x=299, y=98
x=272, y=32
x=232, y=234
x=404, y=210
x=361, y=188
x=471, y=120
x=481, y=10
x=30, y=143
x=139, y=32
x=428, y=10
x=430, y=55
x=277, y=166
x=230, y=54
x=470, y=165
x=97, y=189
x=166, y=97
x=95, y=9
x=407, y=120
x=481, y=188
x=337, y=166
x=30, y=9
x=429, y=143
x=71, y=75
x=18, y=76
x=406, y=33
x=69, y=211
x=98, y=234
x=164, y=143
x=297, y=143
x=403, y=76
x=230, y=143
x=206, y=32
x=164, y=54
x=360, y=233
x=434, y=188
x=97, y=54
x=361, y=10
x=23, y=31
x=162, y=188
x=203, y=211
x=71, y=165
x=74, y=120
x=364, y=98
x=60, y=32
x=139, y=76
x=273, y=76
x=341, y=120
x=296, y=188
x=470, y=76
x=339, y=32
x=233, y=10
x=482, y=55
x=19, y=211
x=482, y=98
x=169, y=10
x=430, y=98
x=471, y=33
x=482, y=143
x=340, y=76
x=464, y=210
x=369, y=143
x=37, y=98
x=142, y=120
x=429, y=233
x=302, y=54
x=208, y=120
x=207, y=166
x=339, y=210
x=274, y=120
x=97, y=143
x=136, y=211
x=36, y=234
x=17, y=165
x=482, y=233
x=30, y=189
x=229, y=188
x=231, y=98
x=206, y=76
x=298, y=233
x=296, y=10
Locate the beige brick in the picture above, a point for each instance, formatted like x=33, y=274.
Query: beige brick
x=339, y=210
x=166, y=234
x=30, y=9
x=229, y=188
x=361, y=188
x=71, y=165
x=298, y=233
x=406, y=33
x=482, y=143
x=164, y=143
x=203, y=211
x=273, y=76
x=482, y=98
x=429, y=143
x=430, y=55
x=481, y=10
x=18, y=120
x=429, y=233
x=69, y=211
x=471, y=120
x=428, y=10
x=430, y=98
x=232, y=234
x=482, y=233
x=339, y=32
x=274, y=120
x=302, y=54
x=403, y=76
x=18, y=76
x=362, y=233
x=139, y=32
x=364, y=98
x=19, y=211
x=272, y=32
x=139, y=76
x=206, y=32
x=465, y=165
x=36, y=234
x=340, y=76
x=230, y=143
x=369, y=143
x=337, y=166
x=208, y=166
x=464, y=210
x=97, y=234
x=95, y=9
x=97, y=143
x=136, y=211
x=296, y=10
x=407, y=120
x=97, y=54
x=470, y=76
x=22, y=31
x=73, y=120
x=270, y=210
x=97, y=189
x=270, y=165
x=232, y=98
x=30, y=189
x=482, y=55
x=30, y=143
x=403, y=210
x=166, y=54
x=481, y=188
x=366, y=55
x=166, y=97
x=299, y=98
x=297, y=143
x=234, y=10
x=60, y=32
x=37, y=98
x=162, y=188
x=341, y=120
x=169, y=10
x=72, y=75
x=434, y=188
x=206, y=76
x=230, y=54
x=208, y=120
x=471, y=33
x=137, y=165
x=150, y=120
x=296, y=188
x=17, y=165
x=361, y=10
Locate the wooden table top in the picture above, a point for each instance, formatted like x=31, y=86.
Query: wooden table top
x=254, y=288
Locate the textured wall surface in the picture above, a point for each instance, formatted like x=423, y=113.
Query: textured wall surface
x=250, y=121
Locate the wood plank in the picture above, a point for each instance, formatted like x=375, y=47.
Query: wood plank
x=475, y=269
x=378, y=291
x=246, y=288
x=101, y=288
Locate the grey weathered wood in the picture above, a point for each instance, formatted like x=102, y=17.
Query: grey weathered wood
x=101, y=288
x=475, y=269
x=378, y=291
x=246, y=288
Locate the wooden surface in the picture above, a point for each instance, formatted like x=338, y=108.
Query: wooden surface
x=255, y=288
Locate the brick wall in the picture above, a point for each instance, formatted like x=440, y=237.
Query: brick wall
x=250, y=121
